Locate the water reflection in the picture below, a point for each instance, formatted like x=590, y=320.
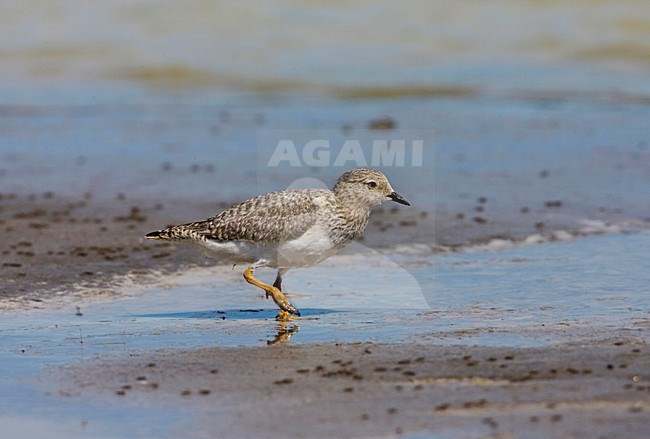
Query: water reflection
x=285, y=331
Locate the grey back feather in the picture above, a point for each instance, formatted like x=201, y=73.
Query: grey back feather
x=266, y=219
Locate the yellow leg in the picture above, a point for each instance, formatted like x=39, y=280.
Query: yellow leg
x=286, y=308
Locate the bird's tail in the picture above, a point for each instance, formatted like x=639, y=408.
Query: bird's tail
x=179, y=233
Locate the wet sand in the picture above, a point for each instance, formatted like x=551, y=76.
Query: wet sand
x=64, y=249
x=67, y=249
x=140, y=117
x=597, y=388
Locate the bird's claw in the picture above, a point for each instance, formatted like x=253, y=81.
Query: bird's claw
x=285, y=305
x=285, y=316
x=281, y=300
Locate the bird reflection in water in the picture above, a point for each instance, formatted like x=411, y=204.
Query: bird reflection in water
x=285, y=331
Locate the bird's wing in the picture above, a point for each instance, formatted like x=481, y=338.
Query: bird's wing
x=266, y=219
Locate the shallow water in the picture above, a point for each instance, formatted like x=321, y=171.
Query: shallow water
x=581, y=291
x=517, y=102
x=601, y=280
x=591, y=156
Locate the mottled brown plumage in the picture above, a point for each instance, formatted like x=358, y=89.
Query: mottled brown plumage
x=290, y=228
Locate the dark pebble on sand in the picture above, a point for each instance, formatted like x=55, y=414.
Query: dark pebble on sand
x=382, y=123
x=408, y=223
x=474, y=404
x=490, y=422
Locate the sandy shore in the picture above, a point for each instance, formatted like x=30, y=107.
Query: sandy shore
x=594, y=389
x=58, y=249
x=62, y=251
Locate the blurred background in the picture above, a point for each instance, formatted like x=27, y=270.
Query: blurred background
x=341, y=49
x=170, y=99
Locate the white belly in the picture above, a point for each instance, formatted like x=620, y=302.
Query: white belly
x=236, y=251
x=311, y=248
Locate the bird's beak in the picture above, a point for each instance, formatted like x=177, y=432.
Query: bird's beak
x=397, y=197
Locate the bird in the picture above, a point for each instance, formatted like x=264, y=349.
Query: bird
x=290, y=228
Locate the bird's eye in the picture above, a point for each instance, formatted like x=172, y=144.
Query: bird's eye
x=372, y=183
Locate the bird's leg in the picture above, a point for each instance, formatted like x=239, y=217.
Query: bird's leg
x=286, y=308
x=277, y=284
x=278, y=279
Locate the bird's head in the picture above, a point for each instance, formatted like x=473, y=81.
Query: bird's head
x=367, y=186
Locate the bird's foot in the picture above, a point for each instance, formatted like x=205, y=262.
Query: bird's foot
x=284, y=316
x=281, y=300
x=278, y=297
